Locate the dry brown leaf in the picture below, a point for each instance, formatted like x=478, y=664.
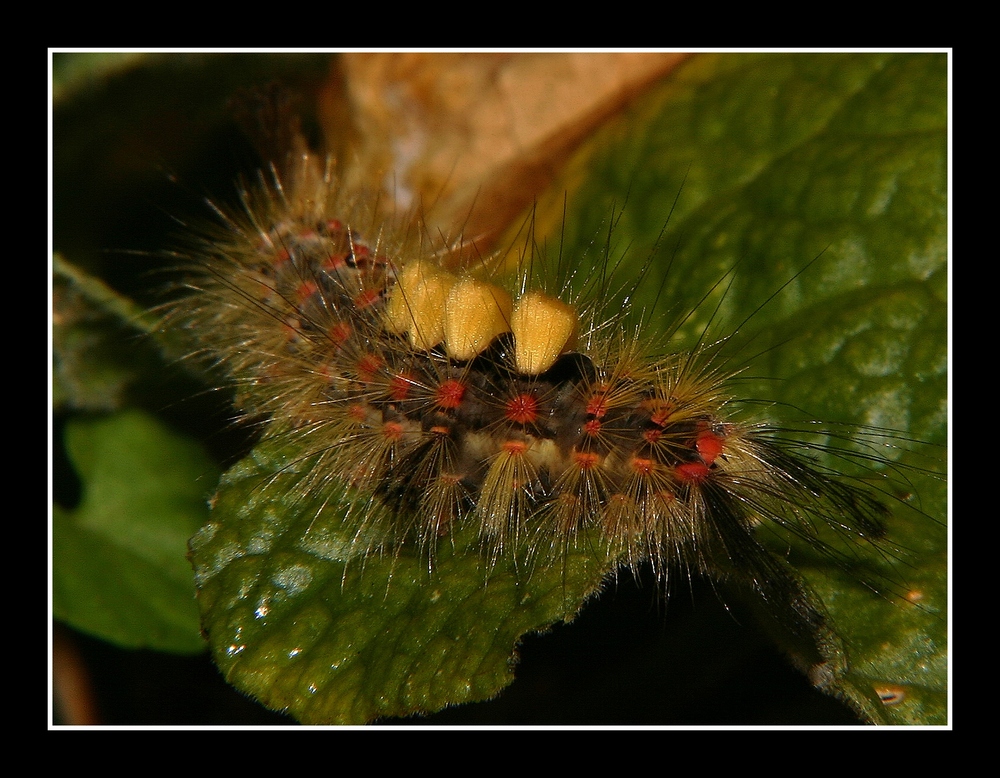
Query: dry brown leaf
x=487, y=130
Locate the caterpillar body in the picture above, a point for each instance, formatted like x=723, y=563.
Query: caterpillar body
x=449, y=399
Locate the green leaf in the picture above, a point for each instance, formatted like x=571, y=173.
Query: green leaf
x=786, y=158
x=783, y=158
x=119, y=566
x=300, y=618
x=96, y=347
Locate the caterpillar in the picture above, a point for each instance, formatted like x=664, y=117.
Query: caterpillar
x=448, y=399
x=426, y=409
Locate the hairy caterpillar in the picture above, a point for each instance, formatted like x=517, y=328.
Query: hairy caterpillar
x=448, y=398
x=500, y=542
